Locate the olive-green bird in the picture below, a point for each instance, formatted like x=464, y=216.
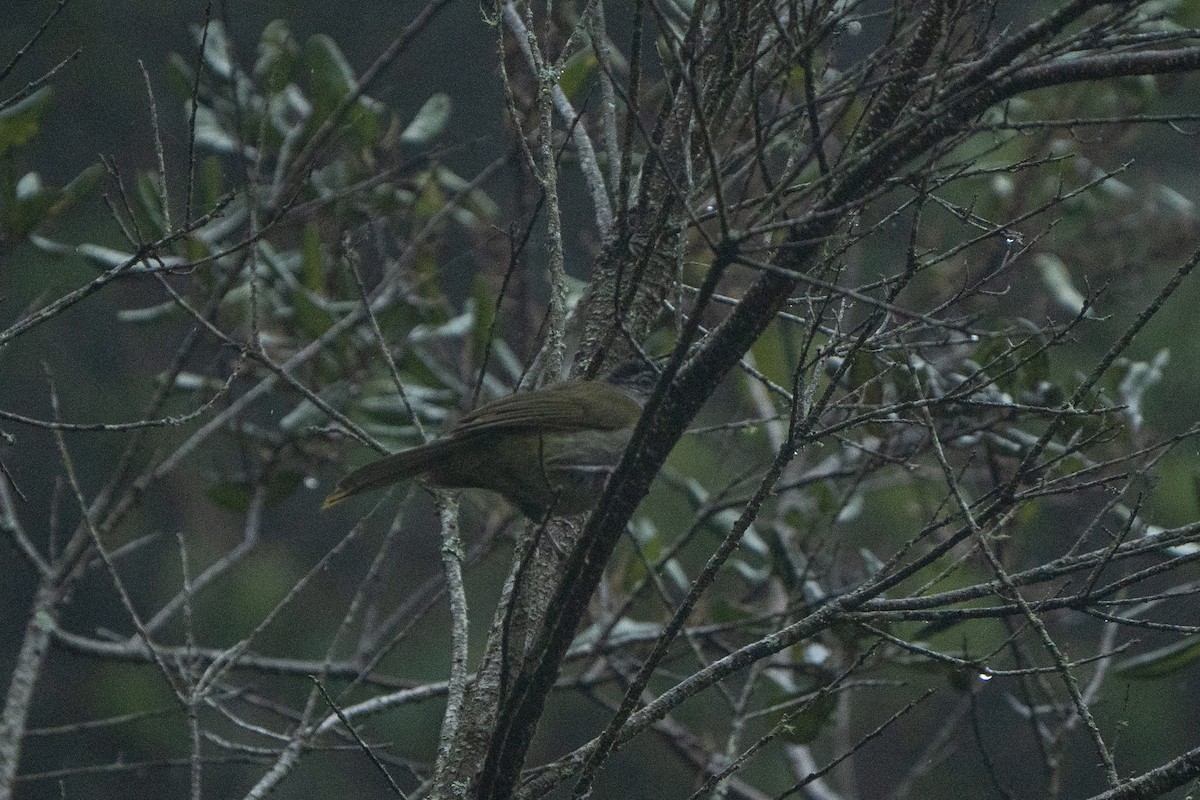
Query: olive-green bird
x=546, y=451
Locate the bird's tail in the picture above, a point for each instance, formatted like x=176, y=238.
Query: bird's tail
x=391, y=469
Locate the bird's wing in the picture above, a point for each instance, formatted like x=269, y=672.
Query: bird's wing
x=562, y=408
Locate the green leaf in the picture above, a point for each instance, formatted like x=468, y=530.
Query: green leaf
x=212, y=134
x=1057, y=281
x=19, y=122
x=452, y=328
x=150, y=199
x=311, y=318
x=429, y=122
x=864, y=371
x=210, y=179
x=216, y=48
x=649, y=541
x=229, y=495
x=103, y=257
x=1140, y=376
x=366, y=120
x=154, y=313
x=486, y=313
x=1018, y=368
x=577, y=70
x=811, y=721
x=430, y=201
x=1186, y=15
x=80, y=186
x=180, y=75
x=1161, y=662
x=29, y=205
x=307, y=413
x=277, y=54
x=236, y=495
x=327, y=75
x=328, y=79
x=1175, y=202
x=721, y=610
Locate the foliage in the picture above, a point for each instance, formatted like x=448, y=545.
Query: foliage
x=920, y=508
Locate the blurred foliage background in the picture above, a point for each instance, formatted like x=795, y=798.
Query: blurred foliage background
x=105, y=354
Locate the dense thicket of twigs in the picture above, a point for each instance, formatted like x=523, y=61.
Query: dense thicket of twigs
x=912, y=546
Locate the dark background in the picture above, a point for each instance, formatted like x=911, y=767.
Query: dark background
x=100, y=107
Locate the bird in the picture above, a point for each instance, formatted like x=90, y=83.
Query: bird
x=547, y=451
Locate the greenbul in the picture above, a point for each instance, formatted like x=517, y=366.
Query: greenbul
x=547, y=451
